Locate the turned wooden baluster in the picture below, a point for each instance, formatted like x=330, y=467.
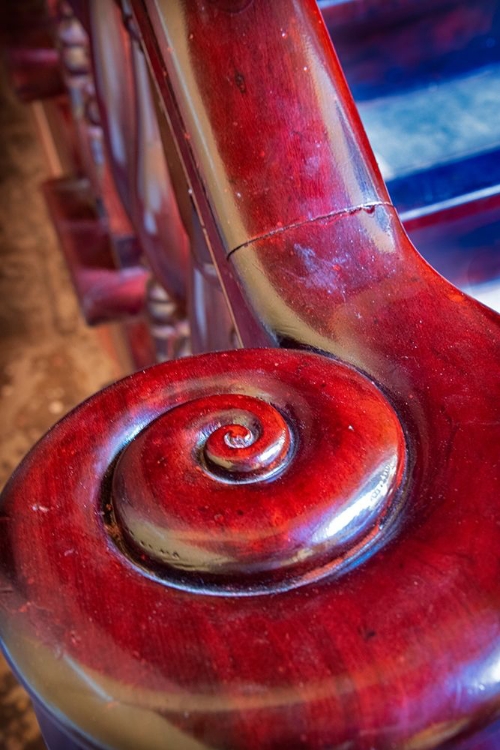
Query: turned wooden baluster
x=271, y=548
x=134, y=146
x=73, y=44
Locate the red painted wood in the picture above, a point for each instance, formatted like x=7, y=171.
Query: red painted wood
x=34, y=70
x=110, y=50
x=210, y=324
x=155, y=212
x=137, y=334
x=133, y=145
x=85, y=636
x=89, y=134
x=28, y=51
x=445, y=228
x=105, y=292
x=309, y=116
x=391, y=641
x=343, y=278
x=250, y=534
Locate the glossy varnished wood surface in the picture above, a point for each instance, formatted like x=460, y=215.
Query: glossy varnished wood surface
x=117, y=654
x=308, y=141
x=133, y=145
x=396, y=648
x=344, y=279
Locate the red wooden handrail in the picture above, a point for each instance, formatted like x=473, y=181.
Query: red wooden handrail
x=318, y=569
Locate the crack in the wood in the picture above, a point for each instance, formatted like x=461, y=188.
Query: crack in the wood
x=368, y=207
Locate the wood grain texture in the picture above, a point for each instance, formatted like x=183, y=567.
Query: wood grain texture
x=227, y=516
x=344, y=279
x=308, y=140
x=398, y=648
x=115, y=631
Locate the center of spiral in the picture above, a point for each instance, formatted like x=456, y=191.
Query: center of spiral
x=246, y=446
x=234, y=493
x=238, y=436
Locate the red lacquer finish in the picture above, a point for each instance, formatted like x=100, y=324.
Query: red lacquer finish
x=270, y=548
x=29, y=55
x=228, y=510
x=210, y=320
x=154, y=209
x=323, y=262
x=124, y=643
x=75, y=55
x=35, y=70
x=112, y=74
x=133, y=145
x=308, y=140
x=104, y=291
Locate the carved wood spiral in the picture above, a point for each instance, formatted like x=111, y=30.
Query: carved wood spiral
x=228, y=475
x=221, y=492
x=264, y=549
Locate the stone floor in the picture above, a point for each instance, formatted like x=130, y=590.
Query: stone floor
x=49, y=359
